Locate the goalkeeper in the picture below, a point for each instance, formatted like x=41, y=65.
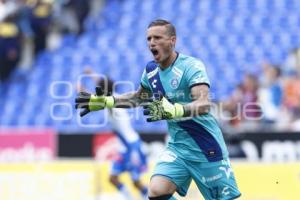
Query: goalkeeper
x=196, y=148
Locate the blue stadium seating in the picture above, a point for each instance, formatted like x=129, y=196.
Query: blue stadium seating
x=231, y=37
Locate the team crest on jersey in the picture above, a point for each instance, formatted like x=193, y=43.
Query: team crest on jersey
x=174, y=83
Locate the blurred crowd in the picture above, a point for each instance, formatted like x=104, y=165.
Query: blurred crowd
x=28, y=23
x=267, y=101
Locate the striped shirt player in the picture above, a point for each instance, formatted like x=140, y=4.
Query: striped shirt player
x=131, y=157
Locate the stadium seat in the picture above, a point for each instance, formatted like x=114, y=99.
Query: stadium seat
x=231, y=37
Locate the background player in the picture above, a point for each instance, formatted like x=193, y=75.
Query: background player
x=130, y=157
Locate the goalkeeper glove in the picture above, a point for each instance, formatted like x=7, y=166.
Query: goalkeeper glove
x=163, y=109
x=93, y=102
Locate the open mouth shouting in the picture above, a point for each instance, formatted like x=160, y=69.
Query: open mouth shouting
x=156, y=55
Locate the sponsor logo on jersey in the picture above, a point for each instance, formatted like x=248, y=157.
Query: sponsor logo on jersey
x=225, y=191
x=227, y=171
x=154, y=83
x=211, y=178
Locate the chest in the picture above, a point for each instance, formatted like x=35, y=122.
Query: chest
x=174, y=85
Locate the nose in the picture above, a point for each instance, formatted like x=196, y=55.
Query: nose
x=151, y=42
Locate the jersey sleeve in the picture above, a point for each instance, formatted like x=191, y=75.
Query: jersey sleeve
x=144, y=81
x=196, y=74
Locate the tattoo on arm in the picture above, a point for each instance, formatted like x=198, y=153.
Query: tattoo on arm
x=132, y=99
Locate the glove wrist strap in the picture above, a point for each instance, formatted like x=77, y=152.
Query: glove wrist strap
x=110, y=102
x=179, y=110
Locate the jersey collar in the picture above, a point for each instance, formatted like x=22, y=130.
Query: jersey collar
x=171, y=65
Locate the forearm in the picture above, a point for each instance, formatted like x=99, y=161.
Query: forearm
x=196, y=108
x=201, y=101
x=128, y=100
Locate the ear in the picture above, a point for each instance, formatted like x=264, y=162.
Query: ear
x=173, y=41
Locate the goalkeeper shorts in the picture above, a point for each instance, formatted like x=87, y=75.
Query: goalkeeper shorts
x=215, y=180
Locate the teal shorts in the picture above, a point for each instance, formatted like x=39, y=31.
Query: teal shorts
x=215, y=180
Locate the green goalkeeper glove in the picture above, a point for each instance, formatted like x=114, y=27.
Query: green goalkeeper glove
x=93, y=102
x=163, y=109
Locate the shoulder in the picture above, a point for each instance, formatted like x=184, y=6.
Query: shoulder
x=152, y=65
x=191, y=63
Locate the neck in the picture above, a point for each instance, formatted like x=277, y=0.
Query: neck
x=165, y=64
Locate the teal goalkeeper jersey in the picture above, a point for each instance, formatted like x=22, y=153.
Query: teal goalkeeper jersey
x=195, y=138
